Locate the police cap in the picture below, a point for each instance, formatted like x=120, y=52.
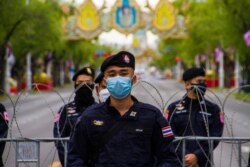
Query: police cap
x=120, y=59
x=192, y=73
x=99, y=78
x=84, y=71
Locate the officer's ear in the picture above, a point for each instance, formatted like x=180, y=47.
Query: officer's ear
x=188, y=85
x=134, y=79
x=104, y=81
x=97, y=89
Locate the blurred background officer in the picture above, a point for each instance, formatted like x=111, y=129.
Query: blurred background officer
x=4, y=120
x=101, y=90
x=195, y=116
x=122, y=131
x=69, y=113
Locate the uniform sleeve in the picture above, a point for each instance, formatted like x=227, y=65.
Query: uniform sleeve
x=215, y=130
x=3, y=122
x=79, y=145
x=163, y=144
x=3, y=127
x=169, y=113
x=61, y=130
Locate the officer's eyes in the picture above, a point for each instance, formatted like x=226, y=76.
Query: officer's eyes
x=111, y=75
x=84, y=82
x=120, y=74
x=201, y=81
x=124, y=74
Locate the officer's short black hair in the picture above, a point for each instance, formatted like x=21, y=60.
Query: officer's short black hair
x=99, y=78
x=192, y=73
x=84, y=71
x=120, y=59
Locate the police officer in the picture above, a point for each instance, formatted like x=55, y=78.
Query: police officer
x=4, y=119
x=101, y=90
x=138, y=134
x=69, y=113
x=195, y=116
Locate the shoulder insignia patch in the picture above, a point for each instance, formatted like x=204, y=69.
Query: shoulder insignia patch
x=179, y=106
x=98, y=123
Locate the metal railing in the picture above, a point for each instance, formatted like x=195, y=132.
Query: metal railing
x=28, y=149
x=236, y=140
x=32, y=146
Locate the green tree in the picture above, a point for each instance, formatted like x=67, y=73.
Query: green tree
x=11, y=16
x=33, y=27
x=213, y=23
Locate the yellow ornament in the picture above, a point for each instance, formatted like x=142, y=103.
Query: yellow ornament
x=88, y=18
x=164, y=18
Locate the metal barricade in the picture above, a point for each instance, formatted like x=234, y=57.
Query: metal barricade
x=28, y=149
x=236, y=140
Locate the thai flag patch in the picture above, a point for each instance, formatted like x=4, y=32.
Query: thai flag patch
x=167, y=131
x=6, y=116
x=57, y=117
x=222, y=119
x=165, y=114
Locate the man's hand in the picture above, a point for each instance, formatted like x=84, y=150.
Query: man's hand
x=191, y=160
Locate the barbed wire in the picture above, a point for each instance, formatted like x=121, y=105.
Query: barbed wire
x=147, y=90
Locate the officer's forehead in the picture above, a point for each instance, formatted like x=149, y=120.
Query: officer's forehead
x=84, y=78
x=118, y=69
x=199, y=78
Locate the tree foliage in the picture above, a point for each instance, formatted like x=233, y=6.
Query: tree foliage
x=211, y=23
x=36, y=28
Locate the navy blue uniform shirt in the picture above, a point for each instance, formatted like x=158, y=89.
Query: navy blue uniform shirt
x=146, y=137
x=4, y=119
x=64, y=124
x=196, y=118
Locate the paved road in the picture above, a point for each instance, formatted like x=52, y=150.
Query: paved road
x=34, y=115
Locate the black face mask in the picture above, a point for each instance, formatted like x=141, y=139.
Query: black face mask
x=199, y=89
x=84, y=97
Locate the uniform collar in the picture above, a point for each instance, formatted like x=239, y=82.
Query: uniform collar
x=132, y=114
x=193, y=101
x=187, y=99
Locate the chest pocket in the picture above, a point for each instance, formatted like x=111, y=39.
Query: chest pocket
x=204, y=117
x=139, y=131
x=141, y=136
x=180, y=119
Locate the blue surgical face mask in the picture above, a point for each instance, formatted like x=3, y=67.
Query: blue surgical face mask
x=103, y=95
x=119, y=87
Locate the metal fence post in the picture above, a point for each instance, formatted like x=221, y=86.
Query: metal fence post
x=38, y=153
x=239, y=152
x=183, y=152
x=211, y=143
x=65, y=152
x=16, y=154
